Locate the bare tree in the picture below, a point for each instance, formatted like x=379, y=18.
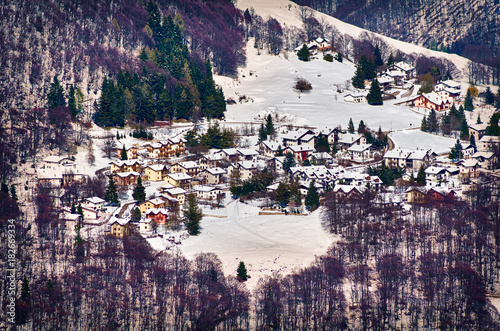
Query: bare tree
x=109, y=146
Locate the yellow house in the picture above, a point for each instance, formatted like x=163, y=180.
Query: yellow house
x=179, y=180
x=187, y=167
x=119, y=227
x=415, y=195
x=150, y=204
x=155, y=172
x=177, y=193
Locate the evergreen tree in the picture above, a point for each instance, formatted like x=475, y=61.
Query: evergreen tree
x=374, y=97
x=72, y=102
x=5, y=188
x=56, y=95
x=269, y=125
x=489, y=97
x=295, y=194
x=139, y=193
x=306, y=163
x=192, y=214
x=283, y=194
x=432, y=122
x=358, y=81
x=279, y=152
x=321, y=144
x=464, y=131
x=242, y=271
x=135, y=214
x=111, y=192
x=468, y=105
x=473, y=142
x=390, y=60
x=312, y=197
x=124, y=155
x=447, y=76
x=303, y=53
x=79, y=210
x=378, y=57
x=479, y=119
x=338, y=57
x=361, y=127
x=262, y=133
x=421, y=176
x=368, y=67
x=73, y=208
x=350, y=126
x=456, y=152
x=13, y=192
x=289, y=162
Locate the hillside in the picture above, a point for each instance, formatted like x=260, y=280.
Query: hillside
x=469, y=28
x=84, y=41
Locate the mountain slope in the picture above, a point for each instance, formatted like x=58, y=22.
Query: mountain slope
x=467, y=27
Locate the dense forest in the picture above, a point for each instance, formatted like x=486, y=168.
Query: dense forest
x=82, y=42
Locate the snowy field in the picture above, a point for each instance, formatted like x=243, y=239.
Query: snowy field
x=413, y=139
x=267, y=243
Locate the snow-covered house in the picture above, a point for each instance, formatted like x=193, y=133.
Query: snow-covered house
x=347, y=140
x=158, y=215
x=453, y=88
x=488, y=143
x=360, y=152
x=297, y=138
x=485, y=159
x=187, y=167
x=299, y=152
x=181, y=180
x=210, y=161
x=357, y=97
x=152, y=203
x=119, y=227
x=396, y=157
x=213, y=176
x=126, y=166
x=229, y=154
x=176, y=193
x=130, y=150
x=478, y=130
x=406, y=68
x=247, y=169
x=146, y=225
x=331, y=134
x=57, y=160
x=155, y=172
x=247, y=154
x=431, y=101
x=206, y=192
x=94, y=203
x=269, y=148
x=126, y=178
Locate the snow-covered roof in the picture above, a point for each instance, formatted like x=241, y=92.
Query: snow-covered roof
x=397, y=154
x=248, y=164
x=299, y=148
x=121, y=221
x=359, y=148
x=452, y=84
x=230, y=151
x=479, y=127
x=489, y=139
x=272, y=145
x=156, y=201
x=188, y=164
x=436, y=98
x=179, y=176
x=127, y=174
x=307, y=137
x=435, y=170
x=157, y=167
x=157, y=211
x=469, y=163
x=486, y=155
x=418, y=154
x=204, y=188
x=175, y=191
x=215, y=171
x=248, y=151
x=385, y=80
x=404, y=66
x=95, y=200
x=55, y=159
x=349, y=138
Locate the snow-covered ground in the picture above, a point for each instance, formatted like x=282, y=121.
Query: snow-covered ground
x=416, y=139
x=266, y=243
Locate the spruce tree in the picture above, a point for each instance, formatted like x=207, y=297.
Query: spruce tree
x=283, y=194
x=111, y=194
x=79, y=210
x=421, y=176
x=361, y=127
x=139, y=193
x=479, y=119
x=279, y=152
x=312, y=197
x=350, y=126
x=464, y=131
x=390, y=60
x=262, y=133
x=289, y=162
x=473, y=142
x=124, y=155
x=73, y=208
x=269, y=125
x=378, y=57
x=135, y=214
x=192, y=214
x=338, y=57
x=468, y=105
x=432, y=122
x=358, y=81
x=56, y=95
x=303, y=53
x=242, y=271
x=489, y=97
x=72, y=102
x=374, y=97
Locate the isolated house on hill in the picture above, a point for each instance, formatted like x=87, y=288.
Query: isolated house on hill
x=431, y=101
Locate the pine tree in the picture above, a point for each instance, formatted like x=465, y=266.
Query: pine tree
x=306, y=163
x=283, y=194
x=358, y=81
x=489, y=97
x=56, y=95
x=269, y=125
x=473, y=142
x=72, y=102
x=242, y=271
x=192, y=214
x=468, y=105
x=312, y=197
x=374, y=97
x=289, y=162
x=73, y=208
x=421, y=176
x=295, y=194
x=79, y=210
x=139, y=193
x=432, y=122
x=303, y=53
x=135, y=214
x=464, y=131
x=350, y=126
x=378, y=57
x=338, y=57
x=390, y=60
x=479, y=119
x=456, y=152
x=111, y=192
x=262, y=133
x=279, y=152
x=124, y=155
x=361, y=127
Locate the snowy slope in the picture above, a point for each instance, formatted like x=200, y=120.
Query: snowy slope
x=286, y=13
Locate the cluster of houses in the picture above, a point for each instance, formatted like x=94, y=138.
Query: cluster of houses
x=178, y=173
